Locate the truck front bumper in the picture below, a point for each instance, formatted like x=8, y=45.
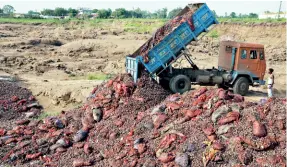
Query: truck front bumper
x=262, y=82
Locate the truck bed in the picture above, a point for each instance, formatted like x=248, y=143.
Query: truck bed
x=169, y=48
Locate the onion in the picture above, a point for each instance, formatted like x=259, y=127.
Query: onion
x=166, y=157
x=208, y=131
x=218, y=146
x=259, y=129
x=211, y=137
x=81, y=162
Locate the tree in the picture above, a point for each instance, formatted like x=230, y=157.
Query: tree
x=61, y=12
x=95, y=10
x=233, y=15
x=137, y=13
x=31, y=12
x=109, y=12
x=174, y=12
x=104, y=14
x=153, y=15
x=162, y=13
x=48, y=12
x=120, y=13
x=72, y=12
x=146, y=14
x=8, y=9
x=1, y=10
x=253, y=15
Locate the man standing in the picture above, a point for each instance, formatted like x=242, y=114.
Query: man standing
x=270, y=82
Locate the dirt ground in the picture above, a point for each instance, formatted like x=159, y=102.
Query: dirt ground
x=53, y=62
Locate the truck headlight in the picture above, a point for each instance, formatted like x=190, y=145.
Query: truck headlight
x=227, y=77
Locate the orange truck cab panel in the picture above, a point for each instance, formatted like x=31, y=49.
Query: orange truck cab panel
x=243, y=59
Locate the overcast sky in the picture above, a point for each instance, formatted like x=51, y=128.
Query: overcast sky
x=244, y=7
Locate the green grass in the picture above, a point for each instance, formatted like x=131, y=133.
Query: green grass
x=92, y=76
x=129, y=22
x=251, y=20
x=99, y=76
x=127, y=25
x=28, y=21
x=46, y=114
x=213, y=34
x=142, y=25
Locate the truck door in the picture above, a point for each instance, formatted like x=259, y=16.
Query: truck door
x=262, y=65
x=254, y=62
x=242, y=60
x=233, y=58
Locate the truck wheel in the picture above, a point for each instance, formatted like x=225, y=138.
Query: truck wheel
x=241, y=86
x=179, y=84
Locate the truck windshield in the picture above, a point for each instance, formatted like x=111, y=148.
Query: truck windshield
x=253, y=54
x=243, y=54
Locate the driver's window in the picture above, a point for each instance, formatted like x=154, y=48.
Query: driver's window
x=261, y=55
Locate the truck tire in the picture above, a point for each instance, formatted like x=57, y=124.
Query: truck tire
x=179, y=84
x=241, y=86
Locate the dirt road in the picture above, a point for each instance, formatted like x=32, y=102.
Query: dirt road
x=54, y=61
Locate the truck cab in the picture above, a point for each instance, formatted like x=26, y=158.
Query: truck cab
x=245, y=62
x=240, y=65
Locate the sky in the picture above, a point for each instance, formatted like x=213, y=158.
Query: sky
x=244, y=7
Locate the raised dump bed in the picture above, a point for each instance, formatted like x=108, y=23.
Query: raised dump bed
x=169, y=48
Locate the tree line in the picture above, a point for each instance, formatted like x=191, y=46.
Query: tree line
x=117, y=13
x=137, y=13
x=235, y=15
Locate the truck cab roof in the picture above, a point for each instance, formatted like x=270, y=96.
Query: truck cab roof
x=242, y=44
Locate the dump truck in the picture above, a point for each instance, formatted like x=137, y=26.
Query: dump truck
x=240, y=65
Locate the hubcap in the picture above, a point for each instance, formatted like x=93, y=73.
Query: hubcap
x=243, y=86
x=180, y=84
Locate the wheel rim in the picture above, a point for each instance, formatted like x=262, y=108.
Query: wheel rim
x=243, y=86
x=181, y=84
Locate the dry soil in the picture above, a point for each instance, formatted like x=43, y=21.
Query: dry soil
x=54, y=61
